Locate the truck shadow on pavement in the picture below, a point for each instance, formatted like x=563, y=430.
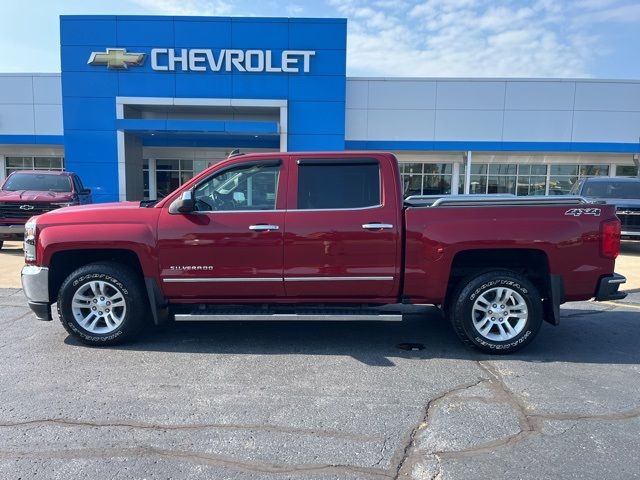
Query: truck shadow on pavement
x=14, y=252
x=583, y=336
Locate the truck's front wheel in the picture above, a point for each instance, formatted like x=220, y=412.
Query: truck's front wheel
x=102, y=304
x=496, y=312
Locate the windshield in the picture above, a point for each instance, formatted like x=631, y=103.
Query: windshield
x=37, y=182
x=612, y=189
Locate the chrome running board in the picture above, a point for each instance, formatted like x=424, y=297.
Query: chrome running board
x=297, y=317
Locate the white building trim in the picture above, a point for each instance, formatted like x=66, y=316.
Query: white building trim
x=121, y=102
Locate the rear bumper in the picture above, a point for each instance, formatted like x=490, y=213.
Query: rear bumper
x=608, y=288
x=12, y=231
x=35, y=285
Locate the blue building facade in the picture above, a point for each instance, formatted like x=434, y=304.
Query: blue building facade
x=186, y=61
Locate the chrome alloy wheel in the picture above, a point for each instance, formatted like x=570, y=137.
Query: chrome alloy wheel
x=99, y=307
x=499, y=314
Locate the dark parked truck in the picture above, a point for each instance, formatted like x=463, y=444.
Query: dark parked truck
x=621, y=192
x=319, y=236
x=33, y=192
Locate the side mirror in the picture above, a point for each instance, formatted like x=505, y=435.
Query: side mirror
x=183, y=204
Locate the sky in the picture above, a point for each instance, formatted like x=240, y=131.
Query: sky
x=394, y=38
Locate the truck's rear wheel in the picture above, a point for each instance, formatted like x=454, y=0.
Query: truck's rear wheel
x=496, y=312
x=102, y=304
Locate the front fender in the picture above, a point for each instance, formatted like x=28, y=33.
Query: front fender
x=138, y=238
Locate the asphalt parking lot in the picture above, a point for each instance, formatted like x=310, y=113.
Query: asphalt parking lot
x=321, y=400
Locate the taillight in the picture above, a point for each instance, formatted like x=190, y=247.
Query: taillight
x=610, y=238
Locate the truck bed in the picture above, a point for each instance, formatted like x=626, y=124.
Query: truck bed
x=561, y=232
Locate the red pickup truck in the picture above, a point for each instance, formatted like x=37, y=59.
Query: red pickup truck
x=319, y=236
x=33, y=192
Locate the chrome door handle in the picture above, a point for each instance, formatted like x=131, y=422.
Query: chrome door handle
x=377, y=226
x=262, y=227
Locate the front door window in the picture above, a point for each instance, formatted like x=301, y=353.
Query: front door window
x=252, y=187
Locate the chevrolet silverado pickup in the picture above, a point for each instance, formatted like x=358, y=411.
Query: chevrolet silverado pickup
x=319, y=236
x=32, y=192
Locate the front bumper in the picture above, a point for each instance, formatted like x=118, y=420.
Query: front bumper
x=13, y=232
x=35, y=285
x=608, y=288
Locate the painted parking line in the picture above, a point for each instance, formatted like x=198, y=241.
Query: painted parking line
x=630, y=305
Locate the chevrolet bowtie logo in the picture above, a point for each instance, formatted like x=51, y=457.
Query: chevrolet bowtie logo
x=116, y=58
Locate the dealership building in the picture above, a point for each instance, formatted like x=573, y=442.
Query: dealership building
x=143, y=103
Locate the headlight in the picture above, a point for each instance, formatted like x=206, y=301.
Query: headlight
x=65, y=204
x=30, y=240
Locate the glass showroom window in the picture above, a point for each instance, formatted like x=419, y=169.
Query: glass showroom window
x=532, y=180
x=14, y=164
x=562, y=177
x=528, y=179
x=493, y=178
x=426, y=178
x=503, y=178
x=626, y=171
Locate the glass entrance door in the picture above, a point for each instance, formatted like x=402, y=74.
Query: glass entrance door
x=162, y=176
x=170, y=174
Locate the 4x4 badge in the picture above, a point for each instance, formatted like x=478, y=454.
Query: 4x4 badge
x=576, y=212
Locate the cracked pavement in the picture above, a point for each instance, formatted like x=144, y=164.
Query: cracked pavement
x=321, y=400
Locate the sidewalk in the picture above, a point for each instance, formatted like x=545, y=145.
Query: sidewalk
x=628, y=264
x=11, y=261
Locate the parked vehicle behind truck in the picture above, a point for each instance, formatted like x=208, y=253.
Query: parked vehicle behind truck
x=319, y=236
x=622, y=192
x=32, y=192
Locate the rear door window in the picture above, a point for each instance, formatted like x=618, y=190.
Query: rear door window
x=338, y=184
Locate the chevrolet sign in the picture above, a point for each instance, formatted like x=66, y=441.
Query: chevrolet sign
x=117, y=58
x=205, y=59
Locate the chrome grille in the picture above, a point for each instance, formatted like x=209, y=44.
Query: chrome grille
x=24, y=209
x=630, y=218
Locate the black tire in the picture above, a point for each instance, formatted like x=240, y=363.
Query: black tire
x=461, y=313
x=119, y=277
